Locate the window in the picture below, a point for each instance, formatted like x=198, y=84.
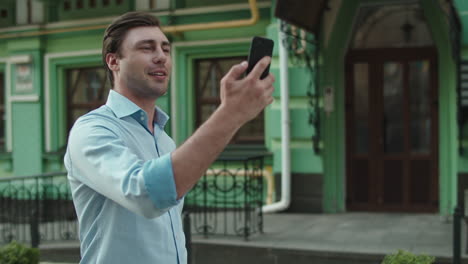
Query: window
x=66, y=5
x=79, y=4
x=2, y=112
x=3, y=13
x=87, y=89
x=208, y=76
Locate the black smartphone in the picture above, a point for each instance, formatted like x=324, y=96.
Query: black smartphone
x=259, y=48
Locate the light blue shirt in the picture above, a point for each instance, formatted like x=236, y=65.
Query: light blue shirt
x=123, y=186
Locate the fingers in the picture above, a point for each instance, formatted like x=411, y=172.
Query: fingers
x=236, y=71
x=260, y=67
x=269, y=80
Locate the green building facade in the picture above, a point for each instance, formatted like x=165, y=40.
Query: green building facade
x=373, y=97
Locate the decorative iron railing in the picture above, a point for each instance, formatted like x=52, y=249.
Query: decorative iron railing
x=226, y=201
x=228, y=198
x=37, y=208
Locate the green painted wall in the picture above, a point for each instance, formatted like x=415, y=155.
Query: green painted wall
x=448, y=148
x=303, y=158
x=26, y=113
x=333, y=125
x=27, y=138
x=462, y=8
x=74, y=41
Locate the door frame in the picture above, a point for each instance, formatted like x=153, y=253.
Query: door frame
x=336, y=43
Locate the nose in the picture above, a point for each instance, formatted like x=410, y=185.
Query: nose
x=160, y=56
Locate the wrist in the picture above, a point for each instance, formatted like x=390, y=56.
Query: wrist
x=230, y=117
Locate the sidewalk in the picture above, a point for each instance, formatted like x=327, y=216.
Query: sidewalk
x=326, y=238
x=363, y=237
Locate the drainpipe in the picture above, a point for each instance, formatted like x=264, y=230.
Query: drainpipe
x=285, y=200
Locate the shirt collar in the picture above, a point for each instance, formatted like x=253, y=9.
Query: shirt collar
x=122, y=107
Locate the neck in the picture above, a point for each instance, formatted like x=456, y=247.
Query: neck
x=147, y=104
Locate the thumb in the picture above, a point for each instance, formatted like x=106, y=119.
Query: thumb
x=237, y=70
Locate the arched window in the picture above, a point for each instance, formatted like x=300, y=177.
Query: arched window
x=391, y=26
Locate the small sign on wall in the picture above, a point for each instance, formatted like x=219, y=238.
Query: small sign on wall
x=24, y=78
x=328, y=100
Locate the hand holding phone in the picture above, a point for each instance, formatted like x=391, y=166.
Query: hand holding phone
x=259, y=48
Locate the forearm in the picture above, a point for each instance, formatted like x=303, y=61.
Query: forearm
x=191, y=160
x=241, y=100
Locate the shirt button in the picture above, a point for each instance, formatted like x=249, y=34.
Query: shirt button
x=142, y=118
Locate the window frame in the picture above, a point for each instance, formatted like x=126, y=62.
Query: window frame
x=239, y=138
x=55, y=103
x=89, y=106
x=182, y=89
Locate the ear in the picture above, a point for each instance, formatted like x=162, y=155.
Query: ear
x=113, y=61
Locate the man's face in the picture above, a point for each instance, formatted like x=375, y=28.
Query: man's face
x=145, y=62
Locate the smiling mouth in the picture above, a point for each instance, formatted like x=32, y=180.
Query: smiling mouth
x=157, y=74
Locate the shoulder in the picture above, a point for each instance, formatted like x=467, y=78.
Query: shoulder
x=101, y=120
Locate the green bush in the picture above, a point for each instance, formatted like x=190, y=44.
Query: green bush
x=15, y=253
x=405, y=257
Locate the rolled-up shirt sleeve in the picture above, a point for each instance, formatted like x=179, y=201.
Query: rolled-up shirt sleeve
x=100, y=159
x=161, y=185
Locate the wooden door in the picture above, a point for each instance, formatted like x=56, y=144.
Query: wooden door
x=391, y=130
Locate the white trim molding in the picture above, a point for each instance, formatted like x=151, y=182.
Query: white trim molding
x=19, y=59
x=211, y=42
x=47, y=103
x=24, y=98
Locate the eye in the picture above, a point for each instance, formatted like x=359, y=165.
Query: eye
x=148, y=47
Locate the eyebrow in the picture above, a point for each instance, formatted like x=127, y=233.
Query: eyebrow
x=152, y=41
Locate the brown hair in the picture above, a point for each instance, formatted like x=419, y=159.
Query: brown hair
x=117, y=30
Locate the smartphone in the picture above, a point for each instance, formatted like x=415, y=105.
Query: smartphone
x=259, y=48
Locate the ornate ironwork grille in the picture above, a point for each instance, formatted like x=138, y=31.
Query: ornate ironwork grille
x=228, y=199
x=37, y=208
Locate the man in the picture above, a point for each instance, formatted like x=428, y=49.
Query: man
x=127, y=178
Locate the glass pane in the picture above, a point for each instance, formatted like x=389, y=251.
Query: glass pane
x=208, y=77
x=361, y=107
x=208, y=81
x=87, y=89
x=88, y=85
x=393, y=120
x=252, y=132
x=206, y=111
x=391, y=25
x=420, y=112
